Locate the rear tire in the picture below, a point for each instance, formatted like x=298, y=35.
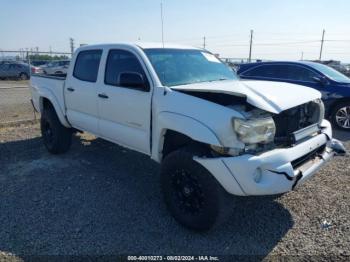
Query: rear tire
x=23, y=76
x=57, y=138
x=340, y=116
x=192, y=195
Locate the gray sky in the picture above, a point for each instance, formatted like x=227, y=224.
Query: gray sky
x=282, y=29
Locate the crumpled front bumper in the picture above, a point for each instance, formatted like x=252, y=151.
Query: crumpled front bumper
x=276, y=171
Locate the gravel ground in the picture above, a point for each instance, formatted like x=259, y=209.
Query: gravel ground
x=101, y=199
x=13, y=83
x=15, y=101
x=95, y=201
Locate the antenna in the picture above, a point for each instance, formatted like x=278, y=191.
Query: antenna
x=162, y=20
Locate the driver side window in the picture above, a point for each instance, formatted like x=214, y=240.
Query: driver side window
x=297, y=73
x=121, y=61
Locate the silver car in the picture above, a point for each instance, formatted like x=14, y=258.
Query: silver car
x=56, y=67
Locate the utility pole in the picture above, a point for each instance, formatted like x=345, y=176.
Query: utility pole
x=302, y=56
x=162, y=21
x=204, y=42
x=71, y=40
x=322, y=41
x=250, y=46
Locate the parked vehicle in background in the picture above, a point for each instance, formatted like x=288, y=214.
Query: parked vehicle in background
x=334, y=86
x=337, y=65
x=36, y=70
x=347, y=66
x=17, y=70
x=38, y=62
x=14, y=70
x=56, y=67
x=214, y=135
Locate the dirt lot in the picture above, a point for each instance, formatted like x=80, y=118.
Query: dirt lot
x=15, y=101
x=101, y=199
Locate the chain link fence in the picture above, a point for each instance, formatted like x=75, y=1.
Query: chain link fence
x=16, y=68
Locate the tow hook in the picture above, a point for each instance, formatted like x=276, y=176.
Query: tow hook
x=337, y=147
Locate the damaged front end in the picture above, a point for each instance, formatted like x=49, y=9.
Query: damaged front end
x=274, y=153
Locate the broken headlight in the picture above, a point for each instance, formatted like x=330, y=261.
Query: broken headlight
x=253, y=131
x=321, y=110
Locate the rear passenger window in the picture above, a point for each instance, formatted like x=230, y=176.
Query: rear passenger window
x=121, y=61
x=297, y=73
x=283, y=72
x=87, y=64
x=263, y=71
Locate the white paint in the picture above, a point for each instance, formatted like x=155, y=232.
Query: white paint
x=139, y=120
x=271, y=96
x=238, y=172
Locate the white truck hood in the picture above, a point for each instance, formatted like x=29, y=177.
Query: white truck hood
x=273, y=97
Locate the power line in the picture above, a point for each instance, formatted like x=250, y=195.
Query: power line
x=271, y=44
x=328, y=40
x=289, y=43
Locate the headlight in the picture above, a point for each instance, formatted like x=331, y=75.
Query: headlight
x=322, y=110
x=255, y=130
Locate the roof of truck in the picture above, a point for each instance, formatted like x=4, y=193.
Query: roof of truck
x=143, y=45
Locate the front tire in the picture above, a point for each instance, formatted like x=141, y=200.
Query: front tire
x=57, y=138
x=192, y=195
x=340, y=116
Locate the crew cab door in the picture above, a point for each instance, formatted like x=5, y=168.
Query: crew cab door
x=125, y=112
x=80, y=91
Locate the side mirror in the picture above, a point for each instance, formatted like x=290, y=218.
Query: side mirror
x=133, y=80
x=322, y=80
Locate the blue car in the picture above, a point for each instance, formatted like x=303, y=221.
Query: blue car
x=334, y=86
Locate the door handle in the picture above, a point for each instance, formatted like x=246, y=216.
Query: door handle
x=103, y=96
x=70, y=89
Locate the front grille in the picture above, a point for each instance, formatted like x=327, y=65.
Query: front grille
x=294, y=119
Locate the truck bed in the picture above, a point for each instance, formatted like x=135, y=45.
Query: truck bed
x=44, y=86
x=56, y=76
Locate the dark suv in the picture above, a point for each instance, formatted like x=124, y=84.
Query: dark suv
x=14, y=70
x=334, y=86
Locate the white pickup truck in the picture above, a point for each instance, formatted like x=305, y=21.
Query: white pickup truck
x=214, y=135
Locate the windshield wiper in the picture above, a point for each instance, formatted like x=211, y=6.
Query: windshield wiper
x=220, y=79
x=198, y=82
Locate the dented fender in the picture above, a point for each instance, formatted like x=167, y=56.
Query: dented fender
x=183, y=124
x=38, y=97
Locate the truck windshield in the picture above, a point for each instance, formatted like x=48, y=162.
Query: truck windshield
x=185, y=66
